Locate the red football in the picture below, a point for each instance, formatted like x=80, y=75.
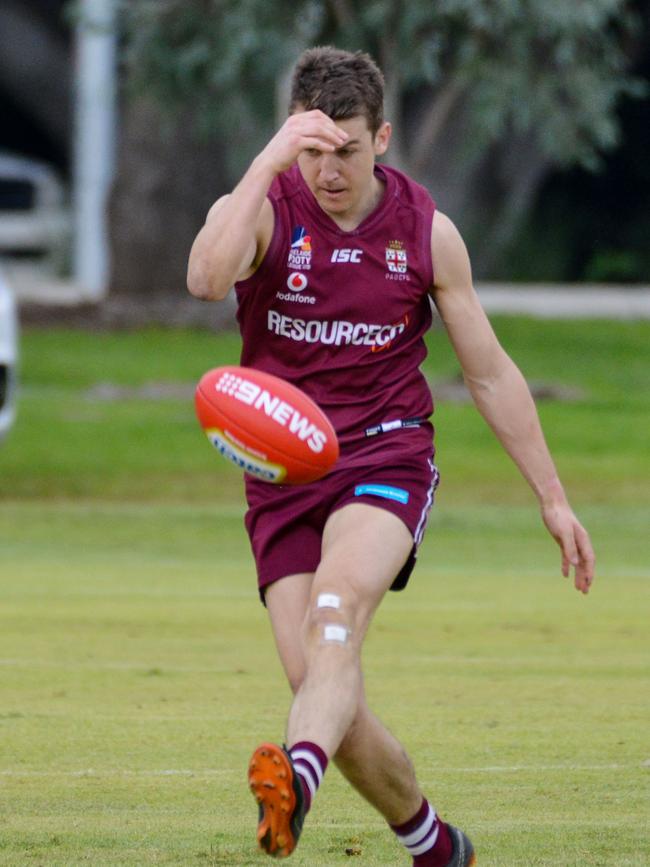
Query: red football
x=266, y=426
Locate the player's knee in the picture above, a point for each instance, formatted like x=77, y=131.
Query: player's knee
x=331, y=619
x=356, y=735
x=295, y=681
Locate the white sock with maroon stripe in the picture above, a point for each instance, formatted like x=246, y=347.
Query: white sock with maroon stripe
x=426, y=838
x=310, y=763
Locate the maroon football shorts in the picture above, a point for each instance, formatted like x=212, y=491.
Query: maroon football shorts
x=285, y=523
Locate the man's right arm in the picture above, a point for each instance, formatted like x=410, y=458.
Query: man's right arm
x=235, y=236
x=238, y=229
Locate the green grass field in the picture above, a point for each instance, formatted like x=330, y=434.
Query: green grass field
x=137, y=671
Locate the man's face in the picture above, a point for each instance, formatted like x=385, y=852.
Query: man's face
x=342, y=182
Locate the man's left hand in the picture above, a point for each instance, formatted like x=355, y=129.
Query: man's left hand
x=574, y=541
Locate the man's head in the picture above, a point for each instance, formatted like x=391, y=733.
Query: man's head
x=348, y=88
x=341, y=84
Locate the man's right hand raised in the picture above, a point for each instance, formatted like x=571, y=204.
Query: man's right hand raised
x=302, y=131
x=239, y=227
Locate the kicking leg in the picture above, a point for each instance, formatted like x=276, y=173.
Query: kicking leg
x=369, y=757
x=367, y=754
x=364, y=547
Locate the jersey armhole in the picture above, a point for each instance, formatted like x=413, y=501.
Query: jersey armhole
x=270, y=258
x=427, y=251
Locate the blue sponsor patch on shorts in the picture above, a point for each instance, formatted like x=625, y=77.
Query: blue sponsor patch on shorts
x=386, y=491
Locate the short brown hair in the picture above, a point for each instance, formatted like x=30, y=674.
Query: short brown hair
x=339, y=83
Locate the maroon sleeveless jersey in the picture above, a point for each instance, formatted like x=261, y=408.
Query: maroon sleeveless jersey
x=342, y=314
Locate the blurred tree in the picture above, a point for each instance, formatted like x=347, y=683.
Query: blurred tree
x=168, y=176
x=602, y=231
x=32, y=40
x=485, y=95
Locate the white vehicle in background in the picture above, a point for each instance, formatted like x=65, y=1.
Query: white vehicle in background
x=34, y=220
x=34, y=246
x=8, y=357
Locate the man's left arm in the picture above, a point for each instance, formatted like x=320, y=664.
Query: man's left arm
x=502, y=396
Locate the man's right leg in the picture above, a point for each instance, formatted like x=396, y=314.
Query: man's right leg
x=370, y=758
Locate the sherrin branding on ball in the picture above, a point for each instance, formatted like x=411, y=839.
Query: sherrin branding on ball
x=265, y=426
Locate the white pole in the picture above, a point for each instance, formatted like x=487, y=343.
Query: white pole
x=94, y=157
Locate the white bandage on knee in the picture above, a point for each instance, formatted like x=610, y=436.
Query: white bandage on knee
x=328, y=600
x=335, y=633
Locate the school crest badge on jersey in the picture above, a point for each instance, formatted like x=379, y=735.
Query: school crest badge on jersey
x=396, y=259
x=300, y=250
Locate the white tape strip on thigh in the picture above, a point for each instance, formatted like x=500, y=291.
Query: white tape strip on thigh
x=335, y=633
x=328, y=600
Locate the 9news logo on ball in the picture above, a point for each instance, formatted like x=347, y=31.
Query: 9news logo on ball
x=265, y=426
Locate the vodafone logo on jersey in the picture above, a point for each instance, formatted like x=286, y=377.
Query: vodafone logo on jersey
x=297, y=282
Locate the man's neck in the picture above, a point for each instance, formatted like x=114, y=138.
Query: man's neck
x=349, y=221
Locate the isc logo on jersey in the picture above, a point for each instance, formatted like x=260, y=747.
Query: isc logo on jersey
x=345, y=254
x=279, y=410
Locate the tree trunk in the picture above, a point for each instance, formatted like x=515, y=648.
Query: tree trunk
x=487, y=195
x=36, y=71
x=521, y=169
x=167, y=179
